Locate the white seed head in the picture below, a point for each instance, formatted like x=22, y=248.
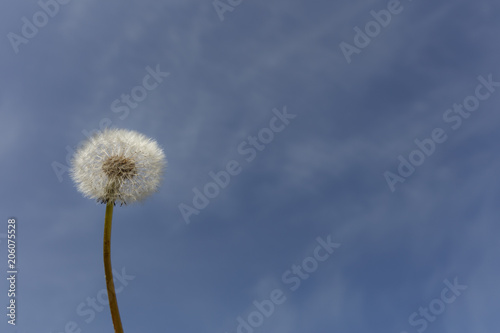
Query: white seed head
x=118, y=165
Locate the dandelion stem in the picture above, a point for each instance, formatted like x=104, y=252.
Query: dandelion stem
x=108, y=270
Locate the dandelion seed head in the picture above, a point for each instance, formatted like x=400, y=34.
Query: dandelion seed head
x=118, y=165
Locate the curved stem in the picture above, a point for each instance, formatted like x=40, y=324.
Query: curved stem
x=108, y=270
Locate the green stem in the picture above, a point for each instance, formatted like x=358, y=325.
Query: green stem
x=108, y=270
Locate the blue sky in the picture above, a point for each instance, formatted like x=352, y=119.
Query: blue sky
x=372, y=208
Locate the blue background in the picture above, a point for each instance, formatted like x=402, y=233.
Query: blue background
x=322, y=176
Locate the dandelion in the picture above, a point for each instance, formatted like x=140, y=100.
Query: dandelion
x=117, y=166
